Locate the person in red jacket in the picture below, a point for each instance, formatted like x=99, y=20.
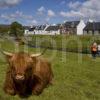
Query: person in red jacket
x=94, y=49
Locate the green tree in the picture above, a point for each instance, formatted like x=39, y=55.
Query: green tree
x=16, y=29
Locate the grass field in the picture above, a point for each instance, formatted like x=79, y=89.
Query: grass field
x=76, y=76
x=70, y=43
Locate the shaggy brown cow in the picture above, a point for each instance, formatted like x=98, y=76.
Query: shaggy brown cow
x=26, y=74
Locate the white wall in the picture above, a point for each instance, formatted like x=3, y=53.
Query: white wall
x=52, y=32
x=41, y=32
x=26, y=32
x=80, y=27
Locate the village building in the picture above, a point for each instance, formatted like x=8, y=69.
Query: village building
x=52, y=30
x=67, y=28
x=39, y=29
x=73, y=27
x=28, y=30
x=92, y=28
x=43, y=30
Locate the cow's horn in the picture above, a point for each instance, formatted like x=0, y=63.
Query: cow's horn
x=7, y=53
x=36, y=55
x=39, y=54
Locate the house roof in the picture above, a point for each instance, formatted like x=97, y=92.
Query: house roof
x=92, y=26
x=29, y=28
x=52, y=28
x=71, y=24
x=32, y=29
x=40, y=27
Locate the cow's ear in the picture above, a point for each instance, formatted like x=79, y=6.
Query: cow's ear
x=8, y=54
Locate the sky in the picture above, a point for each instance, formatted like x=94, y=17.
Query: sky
x=37, y=12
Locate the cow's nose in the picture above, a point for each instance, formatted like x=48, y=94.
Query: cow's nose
x=20, y=77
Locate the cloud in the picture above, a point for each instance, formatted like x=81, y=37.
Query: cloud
x=5, y=17
x=87, y=9
x=71, y=14
x=19, y=16
x=34, y=22
x=9, y=3
x=51, y=13
x=74, y=5
x=41, y=10
x=16, y=16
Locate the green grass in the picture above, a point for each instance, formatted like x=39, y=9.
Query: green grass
x=76, y=76
x=70, y=43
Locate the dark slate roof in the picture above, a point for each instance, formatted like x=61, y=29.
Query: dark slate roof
x=92, y=26
x=29, y=28
x=32, y=29
x=40, y=27
x=52, y=28
x=71, y=24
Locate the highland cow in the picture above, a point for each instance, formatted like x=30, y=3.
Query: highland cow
x=27, y=74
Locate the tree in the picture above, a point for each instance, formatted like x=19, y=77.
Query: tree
x=16, y=29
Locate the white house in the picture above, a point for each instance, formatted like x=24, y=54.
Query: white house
x=43, y=30
x=80, y=27
x=52, y=30
x=40, y=29
x=29, y=30
x=73, y=27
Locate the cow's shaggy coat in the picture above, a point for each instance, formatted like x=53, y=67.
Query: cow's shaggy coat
x=27, y=74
